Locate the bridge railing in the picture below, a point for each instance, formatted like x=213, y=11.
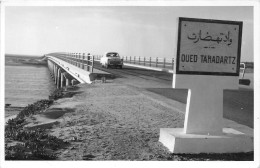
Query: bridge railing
x=166, y=63
x=80, y=60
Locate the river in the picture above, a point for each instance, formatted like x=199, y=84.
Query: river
x=25, y=84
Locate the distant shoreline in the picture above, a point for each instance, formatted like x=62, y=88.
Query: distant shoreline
x=24, y=64
x=18, y=60
x=23, y=56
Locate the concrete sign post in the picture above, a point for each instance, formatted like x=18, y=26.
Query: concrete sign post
x=207, y=62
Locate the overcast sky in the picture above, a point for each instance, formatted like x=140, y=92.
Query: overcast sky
x=136, y=31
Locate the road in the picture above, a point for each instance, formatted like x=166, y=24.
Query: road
x=238, y=104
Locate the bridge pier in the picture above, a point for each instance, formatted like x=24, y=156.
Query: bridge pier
x=68, y=83
x=55, y=73
x=58, y=77
x=62, y=79
x=73, y=82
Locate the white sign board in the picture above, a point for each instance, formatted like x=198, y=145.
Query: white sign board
x=208, y=47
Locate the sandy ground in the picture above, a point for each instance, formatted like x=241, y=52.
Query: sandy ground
x=109, y=121
x=121, y=123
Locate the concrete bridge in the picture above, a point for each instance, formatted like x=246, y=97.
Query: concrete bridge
x=72, y=68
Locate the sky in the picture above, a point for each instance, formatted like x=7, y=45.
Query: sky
x=130, y=30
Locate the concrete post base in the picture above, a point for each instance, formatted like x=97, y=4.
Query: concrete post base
x=231, y=141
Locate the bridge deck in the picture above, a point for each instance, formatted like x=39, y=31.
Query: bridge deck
x=79, y=74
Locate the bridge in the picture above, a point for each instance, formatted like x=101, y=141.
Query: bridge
x=71, y=69
x=74, y=68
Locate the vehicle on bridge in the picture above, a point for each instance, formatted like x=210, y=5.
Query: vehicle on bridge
x=110, y=59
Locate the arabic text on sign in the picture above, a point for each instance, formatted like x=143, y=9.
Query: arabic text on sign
x=222, y=37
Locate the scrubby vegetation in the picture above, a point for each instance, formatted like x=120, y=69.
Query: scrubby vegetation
x=34, y=108
x=21, y=144
x=56, y=94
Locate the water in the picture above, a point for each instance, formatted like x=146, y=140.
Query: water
x=26, y=84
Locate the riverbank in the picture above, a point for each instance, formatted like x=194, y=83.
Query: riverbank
x=35, y=144
x=12, y=111
x=111, y=121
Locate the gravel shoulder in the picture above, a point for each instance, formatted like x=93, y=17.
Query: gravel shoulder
x=111, y=121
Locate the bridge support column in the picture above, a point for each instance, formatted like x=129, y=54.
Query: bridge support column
x=68, y=83
x=58, y=78
x=55, y=73
x=73, y=82
x=62, y=79
x=82, y=66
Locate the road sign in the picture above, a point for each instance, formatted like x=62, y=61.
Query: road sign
x=208, y=47
x=208, y=61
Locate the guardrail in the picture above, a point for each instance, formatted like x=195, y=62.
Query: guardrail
x=166, y=63
x=80, y=60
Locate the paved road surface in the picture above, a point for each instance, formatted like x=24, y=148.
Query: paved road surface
x=238, y=104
